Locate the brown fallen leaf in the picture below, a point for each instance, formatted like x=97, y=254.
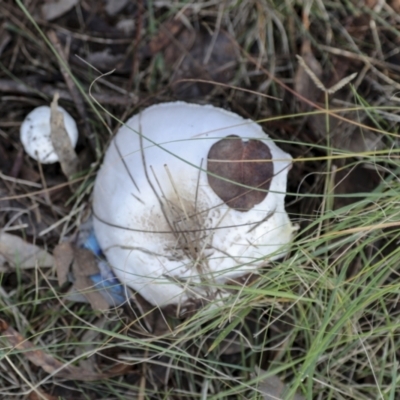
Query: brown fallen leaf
x=61, y=142
x=272, y=388
x=50, y=364
x=303, y=82
x=165, y=35
x=55, y=9
x=395, y=4
x=82, y=264
x=230, y=346
x=113, y=7
x=40, y=395
x=192, y=54
x=312, y=83
x=352, y=180
x=199, y=55
x=63, y=257
x=18, y=253
x=104, y=60
x=10, y=86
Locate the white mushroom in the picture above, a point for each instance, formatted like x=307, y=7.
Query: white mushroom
x=170, y=228
x=35, y=134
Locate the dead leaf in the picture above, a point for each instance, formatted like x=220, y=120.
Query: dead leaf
x=349, y=137
x=229, y=346
x=18, y=253
x=50, y=364
x=203, y=56
x=194, y=54
x=272, y=388
x=304, y=83
x=104, y=60
x=358, y=179
x=165, y=35
x=310, y=85
x=61, y=142
x=82, y=264
x=113, y=7
x=40, y=395
x=395, y=4
x=63, y=258
x=230, y=158
x=55, y=9
x=89, y=341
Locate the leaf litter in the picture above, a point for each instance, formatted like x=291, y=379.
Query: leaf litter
x=313, y=84
x=88, y=31
x=50, y=364
x=54, y=9
x=17, y=253
x=272, y=388
x=80, y=264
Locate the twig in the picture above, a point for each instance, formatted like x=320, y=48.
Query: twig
x=45, y=90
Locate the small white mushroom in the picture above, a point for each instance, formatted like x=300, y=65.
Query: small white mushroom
x=189, y=197
x=35, y=134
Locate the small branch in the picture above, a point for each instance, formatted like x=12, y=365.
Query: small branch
x=48, y=91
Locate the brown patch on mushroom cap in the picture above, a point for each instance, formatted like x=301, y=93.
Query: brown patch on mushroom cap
x=246, y=163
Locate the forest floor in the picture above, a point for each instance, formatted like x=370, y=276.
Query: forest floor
x=322, y=79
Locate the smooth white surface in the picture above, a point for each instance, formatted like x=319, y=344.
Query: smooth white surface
x=35, y=134
x=130, y=204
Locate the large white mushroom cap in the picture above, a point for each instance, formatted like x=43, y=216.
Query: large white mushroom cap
x=172, y=231
x=35, y=134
